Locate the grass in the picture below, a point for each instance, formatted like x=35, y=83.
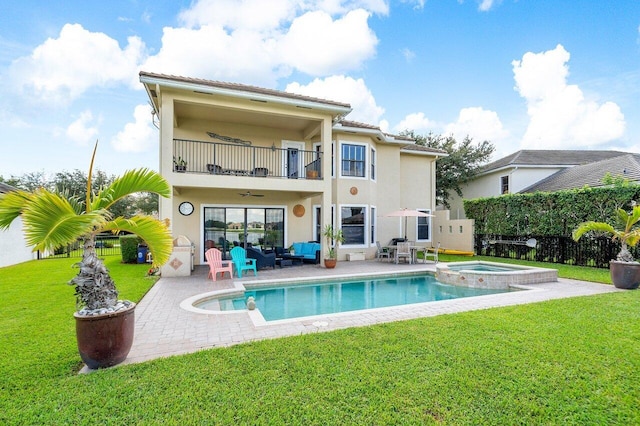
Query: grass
x=572, y=361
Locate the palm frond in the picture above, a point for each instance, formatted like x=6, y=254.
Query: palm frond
x=592, y=226
x=11, y=206
x=153, y=232
x=132, y=181
x=50, y=221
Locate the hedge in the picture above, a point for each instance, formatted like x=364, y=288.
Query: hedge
x=549, y=213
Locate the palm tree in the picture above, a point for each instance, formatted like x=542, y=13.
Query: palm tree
x=626, y=231
x=53, y=219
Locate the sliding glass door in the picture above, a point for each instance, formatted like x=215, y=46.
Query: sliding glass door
x=227, y=227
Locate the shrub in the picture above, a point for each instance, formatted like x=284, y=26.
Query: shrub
x=129, y=248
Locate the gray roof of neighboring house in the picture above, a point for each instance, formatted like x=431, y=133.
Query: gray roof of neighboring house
x=241, y=88
x=4, y=188
x=549, y=157
x=627, y=165
x=422, y=148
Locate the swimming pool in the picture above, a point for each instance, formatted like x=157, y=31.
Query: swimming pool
x=318, y=298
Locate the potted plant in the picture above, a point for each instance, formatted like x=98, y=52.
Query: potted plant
x=625, y=271
x=104, y=324
x=179, y=165
x=334, y=238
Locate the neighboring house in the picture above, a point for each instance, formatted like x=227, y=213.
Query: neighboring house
x=285, y=165
x=626, y=166
x=13, y=247
x=523, y=170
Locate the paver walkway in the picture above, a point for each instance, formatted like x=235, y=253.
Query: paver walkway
x=164, y=329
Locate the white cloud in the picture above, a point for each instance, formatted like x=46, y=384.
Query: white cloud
x=486, y=5
x=409, y=55
x=416, y=122
x=138, y=136
x=81, y=130
x=559, y=113
x=343, y=89
x=260, y=44
x=479, y=124
x=345, y=43
x=63, y=68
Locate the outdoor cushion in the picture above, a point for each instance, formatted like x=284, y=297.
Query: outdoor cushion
x=310, y=251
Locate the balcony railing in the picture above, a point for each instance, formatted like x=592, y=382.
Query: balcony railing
x=242, y=160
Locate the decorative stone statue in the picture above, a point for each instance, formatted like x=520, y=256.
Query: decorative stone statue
x=251, y=303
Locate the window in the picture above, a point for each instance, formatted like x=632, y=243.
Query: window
x=423, y=228
x=373, y=164
x=372, y=221
x=353, y=160
x=504, y=185
x=353, y=224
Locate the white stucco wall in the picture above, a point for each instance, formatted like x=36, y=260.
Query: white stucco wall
x=13, y=248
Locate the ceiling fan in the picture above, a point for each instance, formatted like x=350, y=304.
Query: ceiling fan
x=249, y=194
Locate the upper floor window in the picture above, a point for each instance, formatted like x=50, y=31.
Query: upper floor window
x=353, y=160
x=504, y=185
x=373, y=164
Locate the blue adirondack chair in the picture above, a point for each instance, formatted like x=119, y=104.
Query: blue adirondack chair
x=242, y=263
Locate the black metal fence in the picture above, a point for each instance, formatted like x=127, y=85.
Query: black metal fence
x=589, y=251
x=105, y=246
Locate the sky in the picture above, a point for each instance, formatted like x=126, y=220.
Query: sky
x=522, y=74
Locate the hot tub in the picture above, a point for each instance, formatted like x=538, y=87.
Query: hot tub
x=492, y=274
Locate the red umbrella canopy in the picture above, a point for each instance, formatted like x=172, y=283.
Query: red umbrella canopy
x=408, y=213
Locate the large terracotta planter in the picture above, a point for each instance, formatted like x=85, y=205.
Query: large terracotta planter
x=625, y=275
x=105, y=340
x=330, y=263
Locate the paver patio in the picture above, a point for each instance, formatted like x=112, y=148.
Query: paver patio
x=164, y=329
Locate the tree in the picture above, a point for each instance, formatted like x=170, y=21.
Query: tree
x=74, y=183
x=459, y=167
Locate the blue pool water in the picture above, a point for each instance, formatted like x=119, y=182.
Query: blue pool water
x=333, y=297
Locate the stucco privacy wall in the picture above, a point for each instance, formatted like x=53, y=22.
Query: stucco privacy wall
x=454, y=234
x=13, y=248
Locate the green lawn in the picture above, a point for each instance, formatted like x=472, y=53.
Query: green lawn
x=572, y=361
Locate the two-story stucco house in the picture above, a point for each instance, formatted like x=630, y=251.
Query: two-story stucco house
x=271, y=168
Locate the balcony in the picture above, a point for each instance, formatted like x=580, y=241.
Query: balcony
x=245, y=160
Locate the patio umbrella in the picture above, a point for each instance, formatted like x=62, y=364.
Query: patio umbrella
x=408, y=213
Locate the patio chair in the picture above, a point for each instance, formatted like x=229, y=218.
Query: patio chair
x=426, y=254
x=382, y=252
x=216, y=264
x=242, y=263
x=403, y=251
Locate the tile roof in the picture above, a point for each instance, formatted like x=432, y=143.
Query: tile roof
x=422, y=148
x=549, y=157
x=591, y=174
x=242, y=88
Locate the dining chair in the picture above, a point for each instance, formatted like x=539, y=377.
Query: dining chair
x=403, y=250
x=434, y=255
x=383, y=252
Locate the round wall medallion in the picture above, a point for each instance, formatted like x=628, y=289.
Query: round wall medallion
x=353, y=190
x=298, y=210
